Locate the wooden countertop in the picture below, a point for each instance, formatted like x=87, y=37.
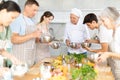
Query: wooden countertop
x=103, y=73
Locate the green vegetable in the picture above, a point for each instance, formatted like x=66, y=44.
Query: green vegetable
x=78, y=57
x=86, y=72
x=75, y=73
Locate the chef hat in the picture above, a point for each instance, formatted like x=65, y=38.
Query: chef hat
x=76, y=12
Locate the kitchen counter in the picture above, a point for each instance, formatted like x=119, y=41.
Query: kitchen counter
x=103, y=73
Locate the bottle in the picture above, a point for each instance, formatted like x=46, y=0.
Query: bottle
x=65, y=66
x=63, y=60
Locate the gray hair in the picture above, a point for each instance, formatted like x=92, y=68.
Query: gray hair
x=110, y=13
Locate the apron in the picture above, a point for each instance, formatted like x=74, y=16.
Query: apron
x=25, y=52
x=42, y=50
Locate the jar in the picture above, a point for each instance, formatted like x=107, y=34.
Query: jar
x=45, y=71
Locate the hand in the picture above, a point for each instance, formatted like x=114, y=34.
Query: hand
x=3, y=70
x=36, y=34
x=68, y=42
x=87, y=48
x=88, y=41
x=103, y=56
x=11, y=57
x=15, y=60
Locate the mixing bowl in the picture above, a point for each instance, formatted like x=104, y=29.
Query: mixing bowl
x=85, y=44
x=46, y=39
x=55, y=45
x=73, y=45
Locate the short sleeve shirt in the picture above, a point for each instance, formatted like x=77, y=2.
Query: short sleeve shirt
x=20, y=24
x=105, y=35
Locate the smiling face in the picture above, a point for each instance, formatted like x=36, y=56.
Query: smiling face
x=74, y=19
x=93, y=25
x=107, y=22
x=48, y=19
x=8, y=17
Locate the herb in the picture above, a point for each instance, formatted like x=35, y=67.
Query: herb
x=86, y=72
x=78, y=57
x=75, y=73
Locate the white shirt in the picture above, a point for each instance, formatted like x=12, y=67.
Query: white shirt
x=115, y=44
x=105, y=35
x=76, y=33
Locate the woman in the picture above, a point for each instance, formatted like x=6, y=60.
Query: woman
x=9, y=10
x=110, y=17
x=43, y=48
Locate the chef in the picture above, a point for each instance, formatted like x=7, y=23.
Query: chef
x=75, y=32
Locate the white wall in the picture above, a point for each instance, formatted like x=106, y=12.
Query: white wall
x=61, y=10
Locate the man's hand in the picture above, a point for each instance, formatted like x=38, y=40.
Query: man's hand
x=36, y=34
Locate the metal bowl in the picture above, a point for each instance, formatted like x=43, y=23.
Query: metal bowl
x=55, y=45
x=93, y=57
x=46, y=39
x=85, y=44
x=73, y=45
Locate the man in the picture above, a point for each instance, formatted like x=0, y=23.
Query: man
x=24, y=33
x=76, y=32
x=104, y=35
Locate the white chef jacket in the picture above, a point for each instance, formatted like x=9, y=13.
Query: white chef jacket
x=76, y=33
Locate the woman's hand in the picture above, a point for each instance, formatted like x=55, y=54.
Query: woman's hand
x=103, y=56
x=11, y=57
x=3, y=70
